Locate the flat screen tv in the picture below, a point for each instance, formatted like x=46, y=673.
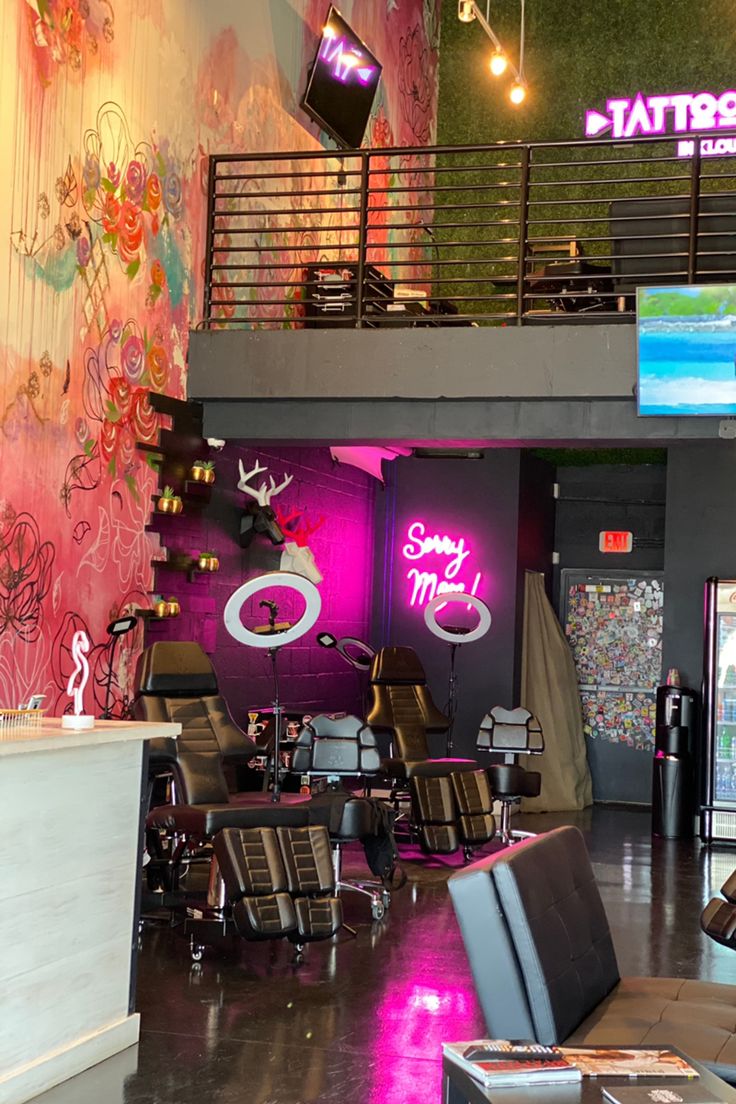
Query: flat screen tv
x=342, y=83
x=686, y=349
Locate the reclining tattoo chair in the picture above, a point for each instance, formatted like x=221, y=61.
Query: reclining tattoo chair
x=511, y=732
x=270, y=866
x=545, y=968
x=718, y=918
x=335, y=749
x=451, y=801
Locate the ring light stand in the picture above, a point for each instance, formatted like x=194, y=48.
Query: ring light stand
x=263, y=636
x=455, y=637
x=359, y=658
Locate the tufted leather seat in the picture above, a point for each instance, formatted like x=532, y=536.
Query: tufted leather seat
x=545, y=968
x=402, y=705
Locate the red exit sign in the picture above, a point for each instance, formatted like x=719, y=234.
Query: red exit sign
x=614, y=540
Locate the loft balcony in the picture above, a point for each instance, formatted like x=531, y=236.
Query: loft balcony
x=506, y=271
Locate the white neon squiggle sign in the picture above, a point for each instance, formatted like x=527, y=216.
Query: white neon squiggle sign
x=80, y=648
x=426, y=585
x=345, y=59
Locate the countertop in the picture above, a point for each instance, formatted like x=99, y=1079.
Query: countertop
x=50, y=736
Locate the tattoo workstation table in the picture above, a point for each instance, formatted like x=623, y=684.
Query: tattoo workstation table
x=72, y=804
x=459, y=1088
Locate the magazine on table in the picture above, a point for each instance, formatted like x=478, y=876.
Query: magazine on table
x=658, y=1094
x=497, y=1063
x=620, y=1062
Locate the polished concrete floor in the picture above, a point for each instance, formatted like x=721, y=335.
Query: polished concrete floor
x=362, y=1019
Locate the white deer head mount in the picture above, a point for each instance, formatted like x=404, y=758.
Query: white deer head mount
x=259, y=516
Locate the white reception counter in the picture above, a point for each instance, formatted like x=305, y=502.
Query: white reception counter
x=70, y=814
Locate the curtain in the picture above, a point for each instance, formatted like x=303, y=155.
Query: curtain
x=549, y=690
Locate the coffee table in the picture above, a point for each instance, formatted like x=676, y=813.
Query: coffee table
x=459, y=1088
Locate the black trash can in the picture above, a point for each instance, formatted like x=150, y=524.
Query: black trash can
x=673, y=776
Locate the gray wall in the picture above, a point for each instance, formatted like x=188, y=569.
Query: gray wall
x=700, y=540
x=481, y=499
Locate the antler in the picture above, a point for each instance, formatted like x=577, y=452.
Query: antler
x=262, y=494
x=302, y=530
x=274, y=489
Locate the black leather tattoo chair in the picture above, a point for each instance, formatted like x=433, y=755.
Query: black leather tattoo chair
x=718, y=918
x=451, y=801
x=268, y=857
x=335, y=748
x=511, y=732
x=545, y=968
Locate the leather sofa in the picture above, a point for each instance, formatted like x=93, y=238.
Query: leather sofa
x=545, y=968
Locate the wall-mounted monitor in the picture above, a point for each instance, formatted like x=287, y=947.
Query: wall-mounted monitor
x=686, y=349
x=342, y=83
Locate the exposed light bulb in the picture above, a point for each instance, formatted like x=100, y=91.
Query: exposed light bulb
x=517, y=93
x=465, y=11
x=498, y=63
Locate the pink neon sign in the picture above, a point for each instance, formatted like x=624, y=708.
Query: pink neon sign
x=443, y=564
x=679, y=113
x=345, y=58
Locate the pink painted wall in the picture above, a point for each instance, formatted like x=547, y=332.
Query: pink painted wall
x=314, y=678
x=109, y=111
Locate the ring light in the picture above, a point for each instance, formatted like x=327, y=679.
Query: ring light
x=362, y=660
x=480, y=630
x=236, y=601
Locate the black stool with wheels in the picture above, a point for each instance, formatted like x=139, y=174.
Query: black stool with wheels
x=511, y=732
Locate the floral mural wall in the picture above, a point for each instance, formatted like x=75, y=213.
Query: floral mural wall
x=109, y=110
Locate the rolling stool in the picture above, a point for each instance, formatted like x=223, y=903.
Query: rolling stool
x=511, y=732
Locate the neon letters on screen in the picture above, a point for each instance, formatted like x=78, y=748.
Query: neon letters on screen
x=679, y=113
x=344, y=58
x=443, y=564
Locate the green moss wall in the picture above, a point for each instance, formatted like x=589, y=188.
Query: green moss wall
x=579, y=53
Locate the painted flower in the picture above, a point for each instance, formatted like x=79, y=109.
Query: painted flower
x=59, y=237
x=130, y=227
x=158, y=366
x=25, y=578
x=113, y=174
x=110, y=213
x=75, y=58
x=121, y=396
x=381, y=132
x=83, y=251
x=108, y=439
x=143, y=419
x=91, y=173
x=81, y=431
x=135, y=181
x=45, y=364
x=414, y=84
x=172, y=194
x=158, y=274
x=132, y=358
x=108, y=31
x=115, y=329
x=34, y=386
x=153, y=192
x=126, y=446
x=44, y=209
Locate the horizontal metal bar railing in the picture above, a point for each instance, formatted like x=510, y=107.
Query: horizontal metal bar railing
x=482, y=234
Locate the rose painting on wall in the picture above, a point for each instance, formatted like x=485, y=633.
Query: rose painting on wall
x=110, y=112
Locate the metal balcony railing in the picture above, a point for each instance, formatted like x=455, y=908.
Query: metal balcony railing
x=497, y=234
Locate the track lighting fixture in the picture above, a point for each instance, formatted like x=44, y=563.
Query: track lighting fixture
x=469, y=12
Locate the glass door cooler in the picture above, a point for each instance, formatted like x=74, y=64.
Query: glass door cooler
x=718, y=757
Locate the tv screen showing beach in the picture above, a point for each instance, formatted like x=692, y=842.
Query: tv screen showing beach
x=687, y=349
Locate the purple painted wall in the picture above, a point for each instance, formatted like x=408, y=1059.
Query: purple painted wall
x=311, y=677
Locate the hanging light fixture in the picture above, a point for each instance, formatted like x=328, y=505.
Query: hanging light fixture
x=468, y=12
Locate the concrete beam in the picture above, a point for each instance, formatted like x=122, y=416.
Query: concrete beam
x=473, y=421
x=556, y=362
